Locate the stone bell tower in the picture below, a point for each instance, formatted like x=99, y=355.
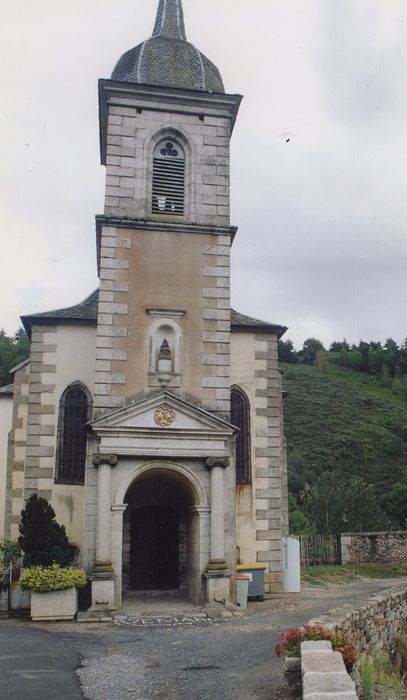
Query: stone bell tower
x=164, y=239
x=163, y=322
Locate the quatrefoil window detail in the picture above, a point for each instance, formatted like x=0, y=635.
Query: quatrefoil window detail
x=169, y=150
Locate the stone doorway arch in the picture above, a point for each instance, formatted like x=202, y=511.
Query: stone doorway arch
x=162, y=539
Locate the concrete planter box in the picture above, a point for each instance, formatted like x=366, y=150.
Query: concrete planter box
x=54, y=605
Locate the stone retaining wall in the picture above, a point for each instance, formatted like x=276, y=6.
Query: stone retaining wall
x=388, y=547
x=374, y=625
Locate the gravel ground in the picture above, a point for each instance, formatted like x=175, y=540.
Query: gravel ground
x=220, y=659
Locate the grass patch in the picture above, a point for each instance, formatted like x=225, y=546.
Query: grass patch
x=348, y=573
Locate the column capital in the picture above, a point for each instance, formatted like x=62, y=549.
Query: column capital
x=118, y=508
x=211, y=462
x=202, y=510
x=98, y=459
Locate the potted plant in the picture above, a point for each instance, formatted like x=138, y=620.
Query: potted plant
x=48, y=577
x=54, y=594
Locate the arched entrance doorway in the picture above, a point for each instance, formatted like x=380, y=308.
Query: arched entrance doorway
x=160, y=533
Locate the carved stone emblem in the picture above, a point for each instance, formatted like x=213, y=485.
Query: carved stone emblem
x=164, y=416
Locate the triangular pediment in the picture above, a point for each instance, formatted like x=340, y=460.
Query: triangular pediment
x=163, y=412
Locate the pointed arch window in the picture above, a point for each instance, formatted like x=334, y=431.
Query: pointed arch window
x=240, y=417
x=75, y=409
x=168, y=178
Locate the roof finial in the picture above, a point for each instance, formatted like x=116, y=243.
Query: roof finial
x=169, y=22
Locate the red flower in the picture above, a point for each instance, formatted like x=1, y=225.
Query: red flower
x=290, y=642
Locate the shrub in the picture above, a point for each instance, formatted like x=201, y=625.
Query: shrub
x=9, y=552
x=290, y=642
x=42, y=579
x=42, y=539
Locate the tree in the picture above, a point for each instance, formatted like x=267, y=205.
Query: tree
x=336, y=505
x=395, y=502
x=42, y=539
x=13, y=350
x=299, y=524
x=310, y=349
x=286, y=351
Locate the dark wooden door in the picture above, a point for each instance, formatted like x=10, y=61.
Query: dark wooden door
x=154, y=549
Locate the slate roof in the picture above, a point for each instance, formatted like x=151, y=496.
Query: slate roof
x=241, y=322
x=86, y=312
x=7, y=390
x=167, y=59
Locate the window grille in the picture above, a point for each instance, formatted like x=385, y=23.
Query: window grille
x=240, y=417
x=74, y=413
x=168, y=179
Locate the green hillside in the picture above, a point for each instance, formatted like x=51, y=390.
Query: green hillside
x=348, y=422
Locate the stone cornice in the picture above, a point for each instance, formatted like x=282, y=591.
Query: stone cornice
x=154, y=98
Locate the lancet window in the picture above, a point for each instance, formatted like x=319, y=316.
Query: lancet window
x=74, y=412
x=240, y=417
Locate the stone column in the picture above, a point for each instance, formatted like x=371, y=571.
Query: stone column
x=103, y=576
x=217, y=551
x=117, y=549
x=217, y=574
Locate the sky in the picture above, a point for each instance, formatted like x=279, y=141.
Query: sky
x=319, y=154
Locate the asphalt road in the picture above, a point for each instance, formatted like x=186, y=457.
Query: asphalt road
x=231, y=659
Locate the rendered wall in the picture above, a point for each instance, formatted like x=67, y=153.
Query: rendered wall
x=17, y=453
x=6, y=414
x=60, y=355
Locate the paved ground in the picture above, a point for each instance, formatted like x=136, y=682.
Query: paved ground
x=172, y=660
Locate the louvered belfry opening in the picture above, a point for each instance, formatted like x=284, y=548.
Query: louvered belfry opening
x=168, y=179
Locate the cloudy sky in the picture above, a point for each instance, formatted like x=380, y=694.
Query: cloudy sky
x=319, y=154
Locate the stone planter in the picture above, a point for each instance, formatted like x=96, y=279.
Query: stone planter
x=54, y=605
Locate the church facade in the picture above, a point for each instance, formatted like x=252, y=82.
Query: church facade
x=150, y=414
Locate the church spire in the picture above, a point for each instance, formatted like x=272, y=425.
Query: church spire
x=169, y=22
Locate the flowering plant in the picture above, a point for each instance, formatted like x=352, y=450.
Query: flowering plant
x=290, y=642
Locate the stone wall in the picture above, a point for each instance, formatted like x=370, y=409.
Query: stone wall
x=6, y=416
x=262, y=504
x=16, y=453
x=374, y=625
x=388, y=547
